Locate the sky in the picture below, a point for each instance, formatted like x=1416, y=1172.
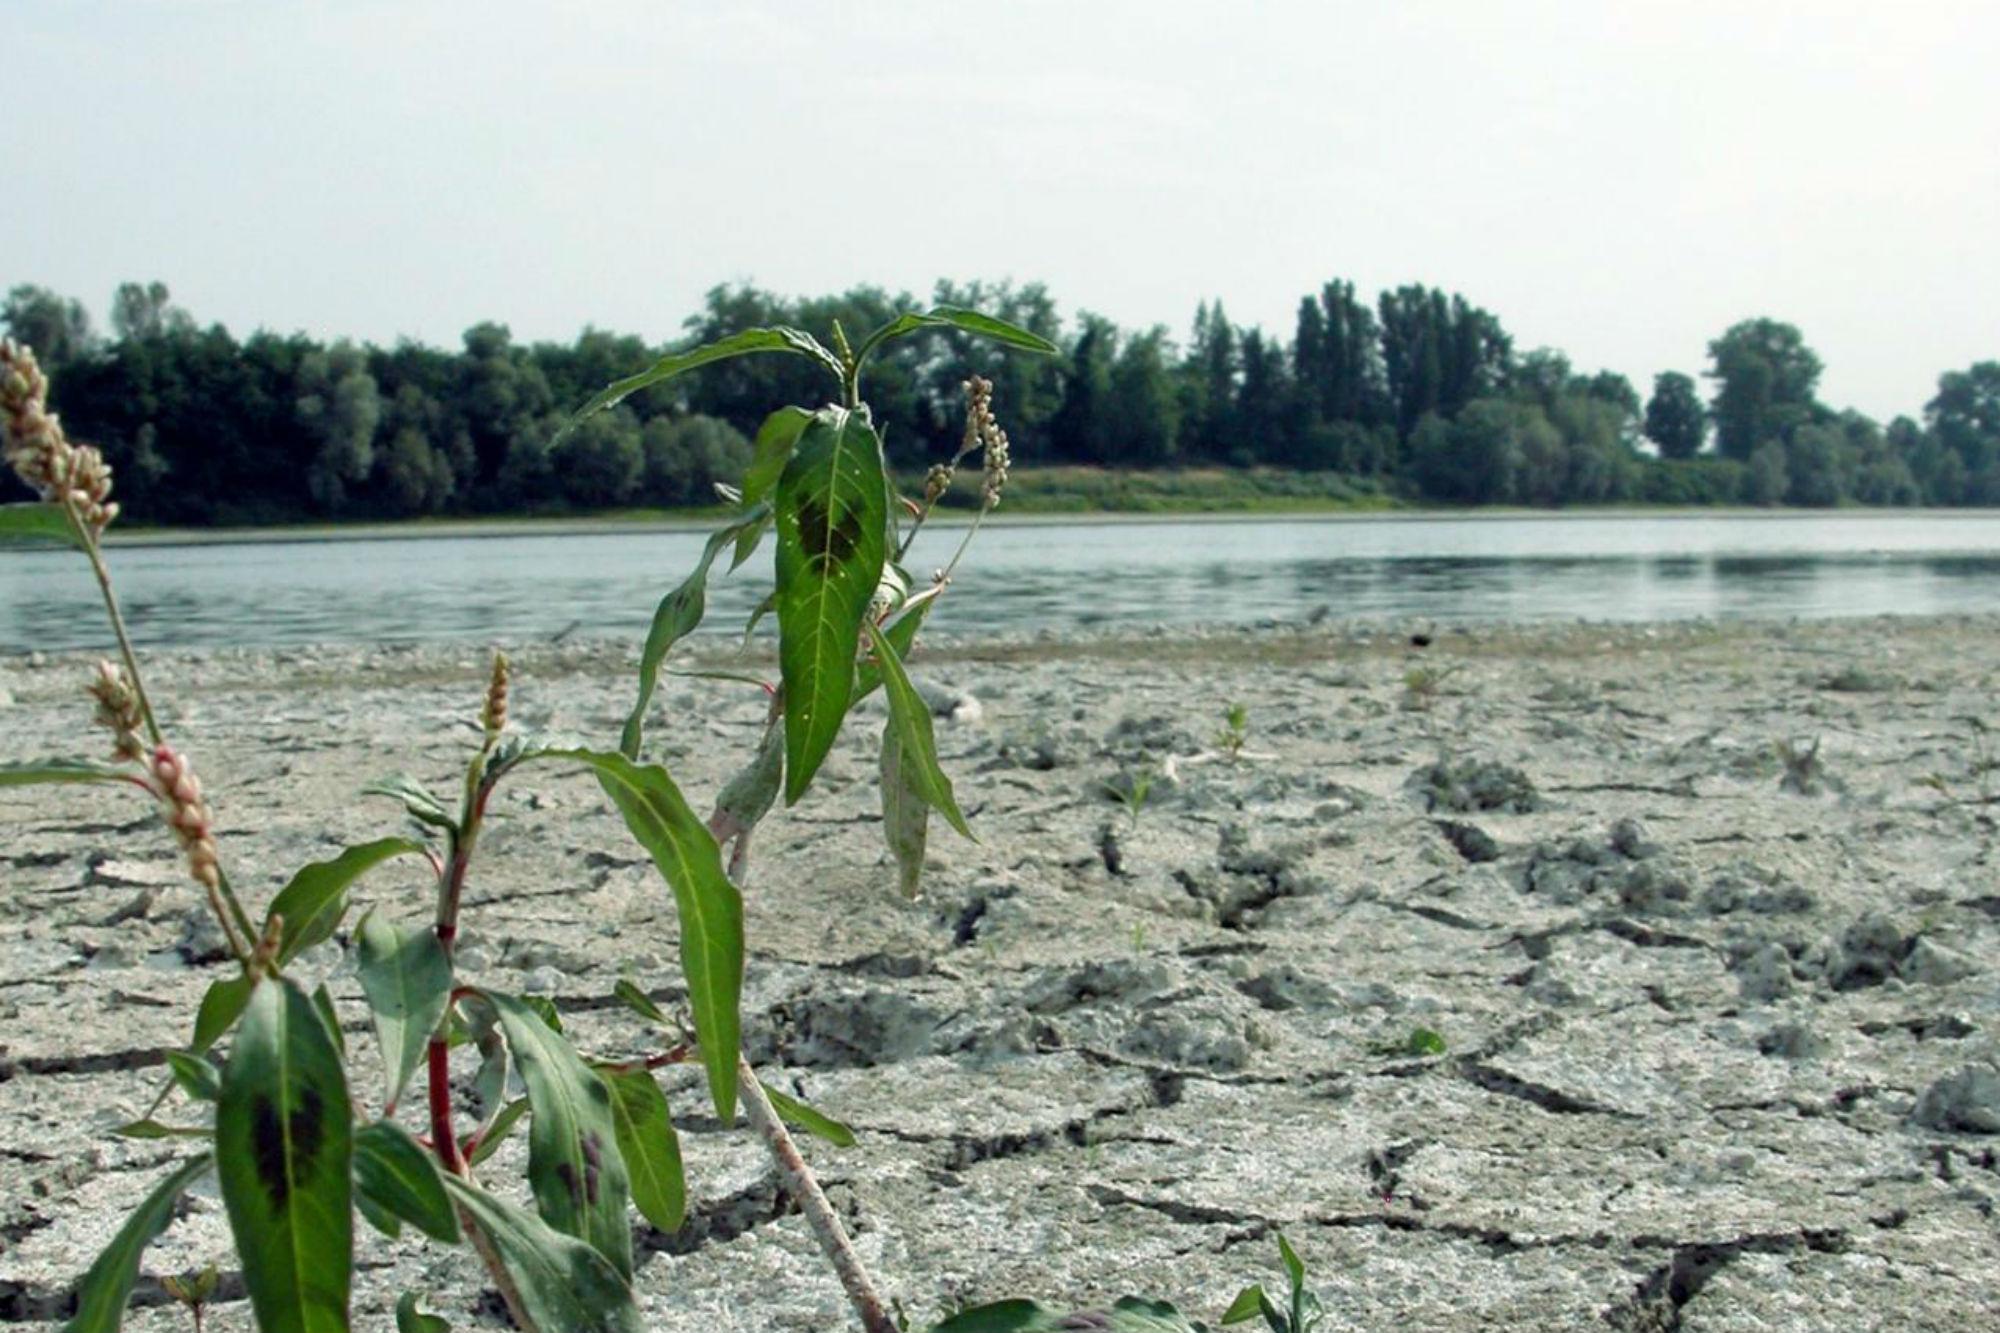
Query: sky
x=1621, y=179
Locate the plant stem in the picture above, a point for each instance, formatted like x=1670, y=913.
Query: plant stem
x=799, y=1182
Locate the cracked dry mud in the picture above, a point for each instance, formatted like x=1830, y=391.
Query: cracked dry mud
x=1719, y=1035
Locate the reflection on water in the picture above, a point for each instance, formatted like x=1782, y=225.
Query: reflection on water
x=514, y=589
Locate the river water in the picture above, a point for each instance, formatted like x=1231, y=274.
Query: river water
x=1066, y=576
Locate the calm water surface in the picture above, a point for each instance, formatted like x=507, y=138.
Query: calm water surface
x=1067, y=576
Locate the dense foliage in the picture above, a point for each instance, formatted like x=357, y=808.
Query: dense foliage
x=1419, y=394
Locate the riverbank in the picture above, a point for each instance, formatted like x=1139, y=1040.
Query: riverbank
x=1543, y=977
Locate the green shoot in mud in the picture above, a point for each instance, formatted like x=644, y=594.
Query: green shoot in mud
x=1234, y=733
x=261, y=1093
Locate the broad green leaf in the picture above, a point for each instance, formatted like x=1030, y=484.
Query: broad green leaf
x=910, y=720
x=906, y=816
x=677, y=615
x=1130, y=1315
x=957, y=317
x=815, y=1123
x=395, y=1174
x=902, y=637
x=375, y=1215
x=313, y=903
x=710, y=909
x=38, y=523
x=153, y=1129
x=833, y=512
x=409, y=1319
x=197, y=1077
x=63, y=770
x=776, y=439
x=746, y=343
x=496, y=1133
x=221, y=1005
x=565, y=1285
x=639, y=1002
x=415, y=797
x=651, y=1149
x=104, y=1290
x=284, y=1147
x=1249, y=1303
x=407, y=979
x=574, y=1166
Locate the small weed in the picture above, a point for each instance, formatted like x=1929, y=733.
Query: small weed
x=193, y=1291
x=1131, y=790
x=1421, y=1041
x=1301, y=1314
x=1422, y=684
x=1235, y=731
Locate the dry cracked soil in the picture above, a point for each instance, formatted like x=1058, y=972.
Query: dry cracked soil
x=1539, y=978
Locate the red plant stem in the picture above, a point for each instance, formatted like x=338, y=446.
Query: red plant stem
x=444, y=1139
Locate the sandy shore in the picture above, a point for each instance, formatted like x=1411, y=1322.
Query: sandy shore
x=1719, y=1031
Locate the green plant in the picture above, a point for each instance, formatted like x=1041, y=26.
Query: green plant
x=1301, y=1314
x=1422, y=684
x=297, y=1149
x=1131, y=790
x=1234, y=733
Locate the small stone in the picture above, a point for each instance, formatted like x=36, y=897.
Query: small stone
x=1628, y=838
x=1967, y=1101
x=1929, y=964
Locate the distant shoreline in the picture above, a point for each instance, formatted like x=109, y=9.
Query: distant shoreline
x=701, y=522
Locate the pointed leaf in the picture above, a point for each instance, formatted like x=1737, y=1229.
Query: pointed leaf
x=153, y=1129
x=815, y=1123
x=400, y=1178
x=221, y=1005
x=284, y=1151
x=197, y=1077
x=416, y=799
x=62, y=770
x=710, y=909
x=776, y=439
x=496, y=1133
x=651, y=1149
x=902, y=637
x=104, y=1290
x=910, y=719
x=639, y=1002
x=323, y=1002
x=764, y=608
x=563, y=1283
x=409, y=1319
x=1002, y=1317
x=574, y=1166
x=746, y=343
x=316, y=899
x=906, y=816
x=833, y=511
x=407, y=979
x=957, y=317
x=37, y=523
x=679, y=612
x=1248, y=1303
x=749, y=796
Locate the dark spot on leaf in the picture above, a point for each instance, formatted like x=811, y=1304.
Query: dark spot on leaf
x=276, y=1165
x=567, y=1175
x=829, y=540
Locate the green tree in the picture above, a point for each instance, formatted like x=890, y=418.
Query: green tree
x=56, y=327
x=1675, y=420
x=686, y=456
x=1965, y=415
x=141, y=311
x=339, y=408
x=1765, y=378
x=600, y=463
x=1143, y=409
x=1765, y=478
x=1478, y=457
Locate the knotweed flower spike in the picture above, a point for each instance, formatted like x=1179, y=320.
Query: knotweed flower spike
x=493, y=717
x=187, y=814
x=36, y=448
x=981, y=425
x=118, y=712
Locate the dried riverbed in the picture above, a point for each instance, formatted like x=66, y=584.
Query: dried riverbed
x=1719, y=1027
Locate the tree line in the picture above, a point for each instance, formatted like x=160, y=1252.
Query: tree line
x=1419, y=393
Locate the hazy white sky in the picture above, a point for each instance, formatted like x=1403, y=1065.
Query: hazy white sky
x=1618, y=178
